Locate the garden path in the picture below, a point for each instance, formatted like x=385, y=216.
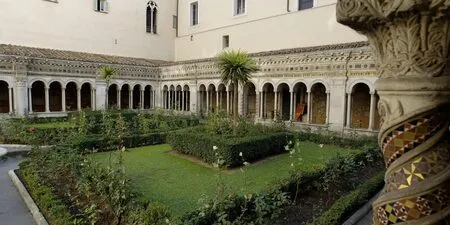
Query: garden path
x=13, y=210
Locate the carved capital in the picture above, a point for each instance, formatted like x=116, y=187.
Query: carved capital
x=408, y=37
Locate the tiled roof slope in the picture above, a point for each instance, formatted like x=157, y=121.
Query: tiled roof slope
x=31, y=52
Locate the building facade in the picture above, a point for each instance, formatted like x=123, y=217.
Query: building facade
x=314, y=71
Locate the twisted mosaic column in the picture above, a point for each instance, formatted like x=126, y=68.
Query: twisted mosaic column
x=411, y=41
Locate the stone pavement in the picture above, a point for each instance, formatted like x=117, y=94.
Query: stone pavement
x=367, y=219
x=13, y=210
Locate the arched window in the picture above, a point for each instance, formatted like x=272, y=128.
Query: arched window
x=152, y=13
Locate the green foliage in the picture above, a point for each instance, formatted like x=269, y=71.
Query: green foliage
x=104, y=143
x=56, y=211
x=197, y=142
x=219, y=123
x=263, y=208
x=339, y=174
x=345, y=206
x=150, y=214
x=236, y=68
x=107, y=73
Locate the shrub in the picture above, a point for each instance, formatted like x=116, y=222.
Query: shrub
x=54, y=209
x=345, y=206
x=197, y=142
x=104, y=143
x=263, y=208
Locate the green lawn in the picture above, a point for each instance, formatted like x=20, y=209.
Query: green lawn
x=180, y=183
x=51, y=125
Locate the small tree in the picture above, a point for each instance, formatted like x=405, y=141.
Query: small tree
x=236, y=67
x=107, y=73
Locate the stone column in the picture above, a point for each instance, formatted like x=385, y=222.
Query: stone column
x=327, y=120
x=217, y=100
x=11, y=109
x=291, y=105
x=143, y=98
x=47, y=100
x=275, y=105
x=411, y=42
x=257, y=104
x=261, y=104
x=309, y=106
x=183, y=97
x=130, y=97
x=348, y=121
x=119, y=98
x=30, y=99
x=63, y=99
x=207, y=101
x=93, y=98
x=78, y=99
x=372, y=110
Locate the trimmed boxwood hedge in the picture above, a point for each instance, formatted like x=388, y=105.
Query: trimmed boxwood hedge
x=108, y=144
x=343, y=208
x=196, y=142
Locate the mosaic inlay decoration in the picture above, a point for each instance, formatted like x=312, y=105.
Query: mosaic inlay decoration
x=410, y=135
x=424, y=166
x=413, y=208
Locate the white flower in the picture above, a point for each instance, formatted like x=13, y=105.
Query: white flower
x=286, y=147
x=321, y=145
x=240, y=154
x=215, y=148
x=290, y=142
x=246, y=163
x=292, y=164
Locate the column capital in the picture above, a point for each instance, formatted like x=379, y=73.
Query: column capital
x=402, y=33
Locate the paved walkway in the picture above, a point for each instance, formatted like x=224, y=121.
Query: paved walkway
x=367, y=219
x=13, y=210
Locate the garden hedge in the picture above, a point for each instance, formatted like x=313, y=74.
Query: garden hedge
x=196, y=142
x=101, y=143
x=344, y=207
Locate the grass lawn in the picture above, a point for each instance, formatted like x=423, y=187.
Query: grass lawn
x=180, y=183
x=51, y=125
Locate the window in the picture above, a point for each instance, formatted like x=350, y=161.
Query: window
x=101, y=5
x=175, y=22
x=239, y=7
x=152, y=12
x=225, y=41
x=194, y=13
x=305, y=4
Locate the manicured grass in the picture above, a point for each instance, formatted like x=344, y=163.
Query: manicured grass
x=52, y=125
x=180, y=183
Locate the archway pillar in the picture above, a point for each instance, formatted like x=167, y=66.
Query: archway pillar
x=142, y=98
x=20, y=98
x=372, y=111
x=79, y=98
x=291, y=106
x=348, y=121
x=411, y=42
x=11, y=108
x=47, y=100
x=30, y=100
x=309, y=106
x=130, y=98
x=119, y=98
x=327, y=118
x=275, y=105
x=63, y=98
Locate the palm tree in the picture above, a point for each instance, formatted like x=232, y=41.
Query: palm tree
x=236, y=67
x=107, y=73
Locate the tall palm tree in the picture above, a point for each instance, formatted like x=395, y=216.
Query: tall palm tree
x=236, y=67
x=107, y=73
